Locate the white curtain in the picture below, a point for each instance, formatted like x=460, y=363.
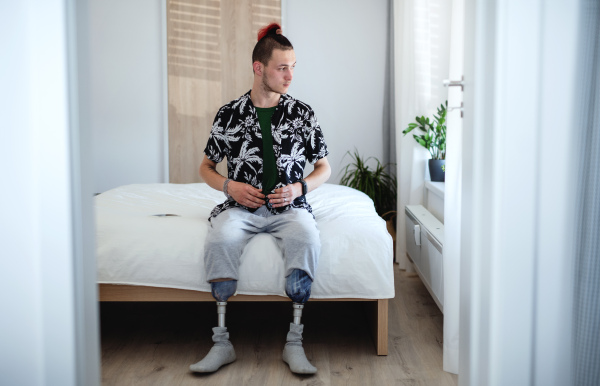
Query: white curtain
x=422, y=30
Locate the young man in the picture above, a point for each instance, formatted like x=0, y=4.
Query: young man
x=267, y=137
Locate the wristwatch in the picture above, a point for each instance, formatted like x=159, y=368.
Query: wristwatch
x=225, y=189
x=304, y=187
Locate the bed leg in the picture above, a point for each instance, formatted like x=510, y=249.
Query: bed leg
x=379, y=325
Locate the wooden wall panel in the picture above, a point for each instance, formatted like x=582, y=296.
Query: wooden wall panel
x=209, y=44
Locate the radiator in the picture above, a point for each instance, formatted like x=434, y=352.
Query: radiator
x=424, y=247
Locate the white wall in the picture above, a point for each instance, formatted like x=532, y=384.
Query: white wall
x=127, y=97
x=342, y=72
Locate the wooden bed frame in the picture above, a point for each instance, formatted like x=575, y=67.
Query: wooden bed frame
x=130, y=293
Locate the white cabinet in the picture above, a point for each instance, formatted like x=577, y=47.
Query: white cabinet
x=424, y=246
x=413, y=238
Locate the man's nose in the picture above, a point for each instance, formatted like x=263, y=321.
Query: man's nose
x=289, y=74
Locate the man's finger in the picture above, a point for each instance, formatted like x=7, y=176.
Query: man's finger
x=255, y=200
x=252, y=204
x=256, y=193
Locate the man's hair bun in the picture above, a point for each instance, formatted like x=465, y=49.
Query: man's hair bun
x=270, y=29
x=269, y=38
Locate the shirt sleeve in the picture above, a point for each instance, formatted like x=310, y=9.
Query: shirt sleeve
x=217, y=148
x=315, y=141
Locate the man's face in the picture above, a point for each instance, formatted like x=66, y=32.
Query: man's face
x=278, y=73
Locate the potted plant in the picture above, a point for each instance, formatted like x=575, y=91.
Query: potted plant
x=434, y=140
x=377, y=183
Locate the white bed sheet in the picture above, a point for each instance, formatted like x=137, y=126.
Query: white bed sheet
x=134, y=247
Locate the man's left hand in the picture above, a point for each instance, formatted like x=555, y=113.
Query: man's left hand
x=285, y=195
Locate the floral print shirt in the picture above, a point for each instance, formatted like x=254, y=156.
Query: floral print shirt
x=236, y=134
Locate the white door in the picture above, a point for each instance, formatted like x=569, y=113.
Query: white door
x=518, y=184
x=452, y=197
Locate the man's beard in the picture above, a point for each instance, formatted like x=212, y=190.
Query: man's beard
x=269, y=88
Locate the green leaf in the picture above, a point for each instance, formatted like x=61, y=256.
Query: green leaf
x=434, y=132
x=376, y=183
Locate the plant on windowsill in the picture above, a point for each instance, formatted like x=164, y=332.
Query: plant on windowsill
x=379, y=184
x=434, y=140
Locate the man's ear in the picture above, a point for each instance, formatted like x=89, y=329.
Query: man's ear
x=258, y=68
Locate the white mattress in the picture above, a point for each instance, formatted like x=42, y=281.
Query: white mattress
x=134, y=247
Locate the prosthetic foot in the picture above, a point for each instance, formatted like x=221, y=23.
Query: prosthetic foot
x=222, y=351
x=220, y=354
x=293, y=352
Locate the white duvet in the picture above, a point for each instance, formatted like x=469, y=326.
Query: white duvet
x=134, y=247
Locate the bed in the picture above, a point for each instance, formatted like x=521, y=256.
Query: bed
x=150, y=241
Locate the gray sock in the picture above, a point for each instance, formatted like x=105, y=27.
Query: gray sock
x=220, y=354
x=293, y=352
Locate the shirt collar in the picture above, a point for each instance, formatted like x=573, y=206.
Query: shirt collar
x=282, y=99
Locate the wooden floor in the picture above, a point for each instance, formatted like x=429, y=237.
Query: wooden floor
x=154, y=343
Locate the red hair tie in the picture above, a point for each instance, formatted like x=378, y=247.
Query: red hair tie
x=265, y=30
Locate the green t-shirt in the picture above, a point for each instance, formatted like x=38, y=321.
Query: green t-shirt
x=269, y=165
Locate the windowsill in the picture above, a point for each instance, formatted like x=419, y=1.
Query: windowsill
x=437, y=188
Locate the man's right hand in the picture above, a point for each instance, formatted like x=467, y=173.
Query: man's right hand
x=245, y=194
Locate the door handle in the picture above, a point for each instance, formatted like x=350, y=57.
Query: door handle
x=457, y=108
x=455, y=83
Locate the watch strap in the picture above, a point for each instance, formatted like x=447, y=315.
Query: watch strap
x=304, y=187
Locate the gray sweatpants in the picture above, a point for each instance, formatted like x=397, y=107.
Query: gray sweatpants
x=295, y=231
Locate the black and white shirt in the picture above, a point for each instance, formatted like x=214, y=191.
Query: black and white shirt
x=236, y=134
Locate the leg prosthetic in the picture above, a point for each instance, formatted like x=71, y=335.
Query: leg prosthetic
x=222, y=352
x=298, y=289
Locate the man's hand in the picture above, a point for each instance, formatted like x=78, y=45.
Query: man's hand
x=245, y=194
x=285, y=195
